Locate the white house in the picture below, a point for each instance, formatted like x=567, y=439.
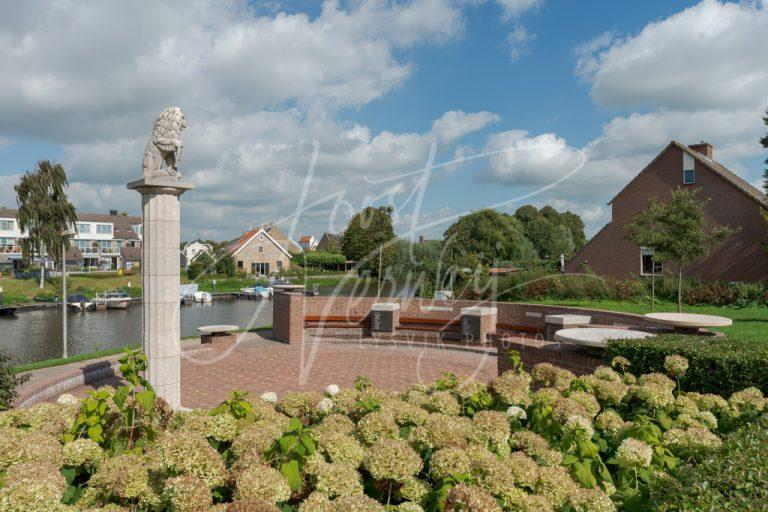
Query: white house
x=193, y=250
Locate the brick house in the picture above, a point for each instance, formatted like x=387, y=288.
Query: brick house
x=262, y=251
x=735, y=203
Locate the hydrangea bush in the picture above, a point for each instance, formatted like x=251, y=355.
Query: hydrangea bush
x=544, y=441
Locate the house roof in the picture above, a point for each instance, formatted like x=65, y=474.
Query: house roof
x=248, y=236
x=123, y=224
x=305, y=239
x=716, y=167
x=131, y=253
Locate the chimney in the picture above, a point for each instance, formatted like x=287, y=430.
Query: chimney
x=113, y=212
x=704, y=148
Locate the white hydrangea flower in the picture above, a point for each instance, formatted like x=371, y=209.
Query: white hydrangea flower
x=270, y=397
x=517, y=413
x=332, y=389
x=325, y=405
x=67, y=399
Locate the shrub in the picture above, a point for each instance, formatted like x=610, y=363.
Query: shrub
x=730, y=480
x=718, y=364
x=9, y=381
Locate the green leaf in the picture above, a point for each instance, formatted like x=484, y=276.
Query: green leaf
x=308, y=443
x=292, y=474
x=287, y=443
x=69, y=474
x=583, y=473
x=294, y=425
x=95, y=433
x=146, y=399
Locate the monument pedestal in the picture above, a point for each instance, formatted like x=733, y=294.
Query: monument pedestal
x=160, y=327
x=385, y=317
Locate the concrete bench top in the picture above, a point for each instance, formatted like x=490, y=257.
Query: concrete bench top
x=597, y=337
x=688, y=320
x=479, y=311
x=567, y=319
x=216, y=329
x=385, y=306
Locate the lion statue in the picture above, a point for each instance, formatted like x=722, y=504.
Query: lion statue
x=165, y=144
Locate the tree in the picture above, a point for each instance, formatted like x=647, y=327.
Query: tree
x=489, y=236
x=642, y=231
x=682, y=235
x=551, y=232
x=201, y=265
x=44, y=213
x=9, y=382
x=226, y=266
x=368, y=238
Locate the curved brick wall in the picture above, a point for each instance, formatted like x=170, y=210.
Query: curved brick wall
x=290, y=310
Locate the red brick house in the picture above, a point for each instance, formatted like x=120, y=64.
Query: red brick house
x=735, y=203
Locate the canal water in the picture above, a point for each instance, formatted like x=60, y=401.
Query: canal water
x=36, y=335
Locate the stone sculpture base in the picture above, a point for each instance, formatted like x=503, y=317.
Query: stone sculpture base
x=160, y=328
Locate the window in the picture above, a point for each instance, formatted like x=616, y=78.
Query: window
x=647, y=265
x=689, y=175
x=83, y=228
x=239, y=264
x=104, y=229
x=279, y=265
x=6, y=242
x=108, y=247
x=6, y=225
x=260, y=268
x=261, y=249
x=85, y=246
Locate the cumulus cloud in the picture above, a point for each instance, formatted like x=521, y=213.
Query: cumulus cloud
x=519, y=40
x=711, y=55
x=523, y=160
x=259, y=88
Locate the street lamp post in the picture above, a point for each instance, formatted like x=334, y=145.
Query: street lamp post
x=64, y=236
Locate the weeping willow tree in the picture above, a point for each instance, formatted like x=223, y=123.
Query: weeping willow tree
x=44, y=213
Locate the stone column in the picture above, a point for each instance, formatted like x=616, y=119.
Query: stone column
x=160, y=327
x=477, y=323
x=385, y=317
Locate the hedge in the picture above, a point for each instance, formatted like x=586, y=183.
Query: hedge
x=731, y=480
x=721, y=365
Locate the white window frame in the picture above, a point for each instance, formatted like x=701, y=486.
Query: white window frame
x=7, y=224
x=83, y=228
x=103, y=229
x=658, y=265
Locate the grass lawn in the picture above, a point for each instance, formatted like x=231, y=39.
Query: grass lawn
x=19, y=291
x=749, y=321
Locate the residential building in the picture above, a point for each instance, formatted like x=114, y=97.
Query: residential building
x=193, y=250
x=262, y=251
x=98, y=243
x=308, y=243
x=329, y=242
x=734, y=203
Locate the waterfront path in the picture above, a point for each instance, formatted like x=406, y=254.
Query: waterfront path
x=258, y=364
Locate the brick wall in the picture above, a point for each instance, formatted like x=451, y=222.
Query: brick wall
x=288, y=321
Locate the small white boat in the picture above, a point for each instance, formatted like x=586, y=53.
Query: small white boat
x=258, y=292
x=115, y=299
x=203, y=297
x=79, y=303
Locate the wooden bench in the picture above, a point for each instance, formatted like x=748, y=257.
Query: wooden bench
x=510, y=328
x=429, y=324
x=340, y=321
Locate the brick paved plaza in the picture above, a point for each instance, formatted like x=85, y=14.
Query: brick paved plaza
x=257, y=364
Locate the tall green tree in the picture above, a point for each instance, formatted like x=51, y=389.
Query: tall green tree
x=369, y=237
x=488, y=236
x=642, y=231
x=44, y=213
x=682, y=233
x=551, y=232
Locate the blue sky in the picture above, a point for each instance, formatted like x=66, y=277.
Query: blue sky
x=375, y=83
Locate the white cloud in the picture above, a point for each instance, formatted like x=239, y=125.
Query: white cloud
x=515, y=8
x=712, y=55
x=519, y=40
x=455, y=124
x=258, y=88
x=524, y=160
